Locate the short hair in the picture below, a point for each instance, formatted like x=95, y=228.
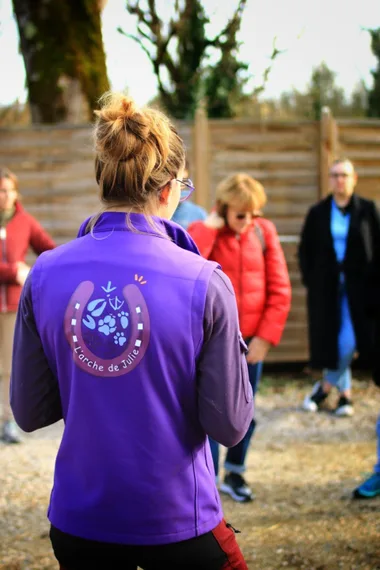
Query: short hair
x=240, y=191
x=138, y=151
x=6, y=173
x=340, y=160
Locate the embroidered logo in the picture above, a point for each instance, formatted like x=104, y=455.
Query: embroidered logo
x=107, y=329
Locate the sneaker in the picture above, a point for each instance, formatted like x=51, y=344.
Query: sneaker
x=344, y=407
x=370, y=488
x=313, y=401
x=235, y=486
x=10, y=433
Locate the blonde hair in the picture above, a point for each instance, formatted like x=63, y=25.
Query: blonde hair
x=6, y=173
x=341, y=160
x=242, y=192
x=138, y=151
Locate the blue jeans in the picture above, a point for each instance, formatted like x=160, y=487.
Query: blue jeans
x=236, y=455
x=341, y=377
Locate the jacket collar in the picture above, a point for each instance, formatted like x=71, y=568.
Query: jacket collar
x=159, y=227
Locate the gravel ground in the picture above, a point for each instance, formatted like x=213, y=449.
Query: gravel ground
x=303, y=468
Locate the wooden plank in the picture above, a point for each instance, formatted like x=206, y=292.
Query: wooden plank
x=251, y=140
x=358, y=123
x=304, y=175
x=245, y=157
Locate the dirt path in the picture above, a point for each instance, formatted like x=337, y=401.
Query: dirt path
x=303, y=468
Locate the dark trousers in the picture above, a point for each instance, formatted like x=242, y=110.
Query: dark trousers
x=215, y=550
x=236, y=455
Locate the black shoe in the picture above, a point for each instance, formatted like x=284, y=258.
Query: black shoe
x=344, y=407
x=313, y=401
x=236, y=487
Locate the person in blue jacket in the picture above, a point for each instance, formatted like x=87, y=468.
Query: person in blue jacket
x=187, y=212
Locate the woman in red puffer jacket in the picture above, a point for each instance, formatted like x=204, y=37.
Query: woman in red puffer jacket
x=247, y=247
x=19, y=231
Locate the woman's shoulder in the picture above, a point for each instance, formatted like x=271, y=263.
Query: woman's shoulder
x=23, y=214
x=267, y=226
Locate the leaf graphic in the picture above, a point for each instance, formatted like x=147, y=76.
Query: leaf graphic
x=96, y=312
x=89, y=322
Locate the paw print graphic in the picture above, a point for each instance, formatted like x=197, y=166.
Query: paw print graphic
x=123, y=316
x=119, y=339
x=107, y=325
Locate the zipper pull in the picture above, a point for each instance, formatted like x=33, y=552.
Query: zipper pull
x=236, y=531
x=3, y=233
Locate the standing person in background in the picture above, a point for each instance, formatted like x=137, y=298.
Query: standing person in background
x=339, y=255
x=247, y=247
x=133, y=350
x=187, y=212
x=18, y=231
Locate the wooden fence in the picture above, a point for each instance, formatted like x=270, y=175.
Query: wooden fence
x=56, y=172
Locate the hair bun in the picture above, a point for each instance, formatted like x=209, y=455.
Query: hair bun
x=129, y=107
x=122, y=129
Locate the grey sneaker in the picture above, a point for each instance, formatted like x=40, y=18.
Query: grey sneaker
x=10, y=432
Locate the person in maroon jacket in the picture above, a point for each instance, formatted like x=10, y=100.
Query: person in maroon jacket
x=18, y=231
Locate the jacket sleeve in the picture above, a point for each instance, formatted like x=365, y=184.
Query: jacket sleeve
x=278, y=288
x=305, y=248
x=375, y=218
x=225, y=401
x=204, y=237
x=35, y=397
x=40, y=240
x=8, y=272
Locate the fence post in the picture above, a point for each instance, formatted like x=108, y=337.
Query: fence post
x=328, y=149
x=201, y=158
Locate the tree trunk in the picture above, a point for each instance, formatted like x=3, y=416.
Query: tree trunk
x=62, y=46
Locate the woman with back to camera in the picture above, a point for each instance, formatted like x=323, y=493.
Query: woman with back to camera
x=19, y=231
x=247, y=247
x=131, y=349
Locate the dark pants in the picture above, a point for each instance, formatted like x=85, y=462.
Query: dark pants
x=235, y=458
x=215, y=550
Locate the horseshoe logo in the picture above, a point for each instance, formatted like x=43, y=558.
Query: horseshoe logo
x=133, y=350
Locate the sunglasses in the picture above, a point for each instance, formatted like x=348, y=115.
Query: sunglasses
x=243, y=215
x=187, y=188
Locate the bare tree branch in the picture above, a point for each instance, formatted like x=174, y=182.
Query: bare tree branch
x=136, y=11
x=275, y=53
x=155, y=24
x=230, y=28
x=145, y=35
x=151, y=20
x=137, y=40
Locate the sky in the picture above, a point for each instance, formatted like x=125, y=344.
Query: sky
x=311, y=31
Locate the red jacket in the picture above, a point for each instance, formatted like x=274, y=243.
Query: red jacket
x=19, y=233
x=258, y=272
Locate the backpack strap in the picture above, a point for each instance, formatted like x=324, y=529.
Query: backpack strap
x=260, y=235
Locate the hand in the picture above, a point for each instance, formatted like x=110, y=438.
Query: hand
x=257, y=350
x=22, y=272
x=214, y=221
